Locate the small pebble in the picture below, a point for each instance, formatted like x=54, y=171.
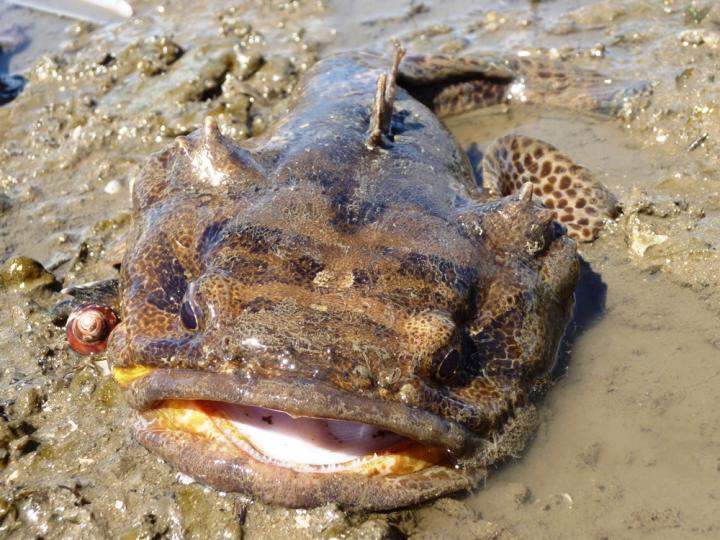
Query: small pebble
x=5, y=203
x=699, y=37
x=7, y=509
x=27, y=402
x=113, y=187
x=24, y=273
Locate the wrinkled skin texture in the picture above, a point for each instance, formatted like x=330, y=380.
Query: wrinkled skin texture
x=311, y=272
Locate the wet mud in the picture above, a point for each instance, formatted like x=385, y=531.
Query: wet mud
x=629, y=443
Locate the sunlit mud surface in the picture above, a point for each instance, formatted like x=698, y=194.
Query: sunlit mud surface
x=630, y=442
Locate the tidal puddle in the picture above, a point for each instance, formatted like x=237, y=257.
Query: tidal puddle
x=630, y=444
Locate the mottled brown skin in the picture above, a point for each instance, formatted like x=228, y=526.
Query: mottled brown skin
x=325, y=272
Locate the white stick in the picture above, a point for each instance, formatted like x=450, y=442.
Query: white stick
x=88, y=10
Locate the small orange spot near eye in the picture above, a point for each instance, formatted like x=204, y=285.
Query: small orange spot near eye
x=124, y=376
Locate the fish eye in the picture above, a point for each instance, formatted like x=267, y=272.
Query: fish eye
x=448, y=364
x=187, y=316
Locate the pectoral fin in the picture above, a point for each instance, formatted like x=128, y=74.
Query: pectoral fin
x=577, y=199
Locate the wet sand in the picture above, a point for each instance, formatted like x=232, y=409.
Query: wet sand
x=629, y=446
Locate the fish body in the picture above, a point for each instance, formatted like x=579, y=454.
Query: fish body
x=336, y=311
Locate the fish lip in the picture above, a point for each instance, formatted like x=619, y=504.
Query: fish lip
x=302, y=397
x=272, y=484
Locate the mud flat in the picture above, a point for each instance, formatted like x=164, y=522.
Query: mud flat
x=630, y=442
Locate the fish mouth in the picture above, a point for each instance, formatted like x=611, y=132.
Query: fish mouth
x=301, y=444
x=297, y=442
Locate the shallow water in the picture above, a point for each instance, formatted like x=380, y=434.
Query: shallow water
x=630, y=441
x=629, y=447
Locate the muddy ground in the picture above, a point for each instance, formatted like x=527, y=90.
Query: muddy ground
x=629, y=446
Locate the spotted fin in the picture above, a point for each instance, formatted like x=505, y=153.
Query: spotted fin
x=563, y=85
x=577, y=199
x=453, y=85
